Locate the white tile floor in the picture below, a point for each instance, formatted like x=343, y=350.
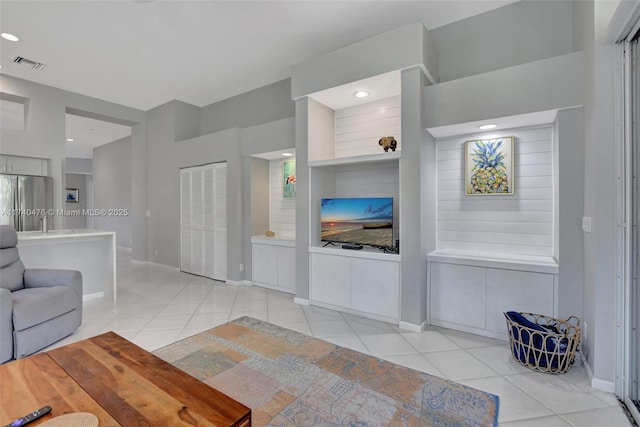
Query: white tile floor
x=158, y=305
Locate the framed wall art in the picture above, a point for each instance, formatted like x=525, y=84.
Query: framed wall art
x=489, y=168
x=289, y=178
x=71, y=195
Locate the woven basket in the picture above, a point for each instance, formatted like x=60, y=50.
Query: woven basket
x=552, y=350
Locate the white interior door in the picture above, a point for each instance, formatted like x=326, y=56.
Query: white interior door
x=220, y=221
x=197, y=222
x=203, y=220
x=185, y=220
x=208, y=230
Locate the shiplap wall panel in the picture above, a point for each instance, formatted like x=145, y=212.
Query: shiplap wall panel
x=282, y=215
x=515, y=224
x=359, y=128
x=371, y=180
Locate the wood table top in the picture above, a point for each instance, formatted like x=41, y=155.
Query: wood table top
x=119, y=382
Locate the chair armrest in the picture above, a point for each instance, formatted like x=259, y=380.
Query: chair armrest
x=6, y=325
x=45, y=277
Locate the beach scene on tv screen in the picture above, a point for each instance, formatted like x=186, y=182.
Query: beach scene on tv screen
x=364, y=221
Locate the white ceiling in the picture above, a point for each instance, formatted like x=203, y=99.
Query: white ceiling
x=88, y=134
x=143, y=53
x=379, y=87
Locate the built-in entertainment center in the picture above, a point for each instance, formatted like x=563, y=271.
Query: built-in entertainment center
x=354, y=204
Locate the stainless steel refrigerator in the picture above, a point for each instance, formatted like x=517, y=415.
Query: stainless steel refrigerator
x=24, y=199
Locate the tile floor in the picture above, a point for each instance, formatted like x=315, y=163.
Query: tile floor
x=158, y=305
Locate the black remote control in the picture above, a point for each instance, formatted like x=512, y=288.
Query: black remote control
x=30, y=417
x=355, y=247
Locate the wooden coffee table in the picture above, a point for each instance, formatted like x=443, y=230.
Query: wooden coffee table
x=119, y=382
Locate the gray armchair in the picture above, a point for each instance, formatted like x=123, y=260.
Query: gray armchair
x=37, y=306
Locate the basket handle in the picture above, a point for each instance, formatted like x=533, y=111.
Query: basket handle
x=573, y=318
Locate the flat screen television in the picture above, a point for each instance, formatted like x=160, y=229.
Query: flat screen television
x=358, y=220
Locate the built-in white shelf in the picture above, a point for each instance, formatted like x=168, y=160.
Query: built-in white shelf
x=535, y=264
x=289, y=241
x=369, y=158
x=364, y=253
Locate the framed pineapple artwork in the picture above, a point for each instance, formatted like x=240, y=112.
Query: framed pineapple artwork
x=489, y=168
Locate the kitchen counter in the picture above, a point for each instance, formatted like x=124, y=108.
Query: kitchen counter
x=92, y=252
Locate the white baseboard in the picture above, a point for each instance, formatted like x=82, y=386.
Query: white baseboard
x=470, y=330
x=170, y=267
x=89, y=297
x=412, y=327
x=301, y=301
x=606, y=386
x=239, y=282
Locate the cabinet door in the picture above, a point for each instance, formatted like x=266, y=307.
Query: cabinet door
x=185, y=221
x=458, y=294
x=375, y=287
x=208, y=231
x=197, y=223
x=4, y=164
x=518, y=291
x=286, y=268
x=220, y=220
x=265, y=264
x=24, y=165
x=330, y=277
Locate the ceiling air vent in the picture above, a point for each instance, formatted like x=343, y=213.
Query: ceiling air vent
x=22, y=60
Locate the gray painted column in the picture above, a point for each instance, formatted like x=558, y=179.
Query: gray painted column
x=569, y=143
x=139, y=193
x=302, y=199
x=416, y=234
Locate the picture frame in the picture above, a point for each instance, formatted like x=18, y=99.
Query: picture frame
x=289, y=179
x=489, y=168
x=71, y=195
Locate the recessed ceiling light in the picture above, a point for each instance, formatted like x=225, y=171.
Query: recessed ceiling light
x=70, y=139
x=487, y=127
x=362, y=94
x=287, y=154
x=10, y=37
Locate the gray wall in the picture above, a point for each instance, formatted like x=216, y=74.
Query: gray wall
x=256, y=201
x=112, y=189
x=78, y=181
x=518, y=33
x=266, y=104
x=77, y=165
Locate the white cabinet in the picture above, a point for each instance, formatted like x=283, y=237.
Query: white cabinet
x=24, y=165
x=203, y=220
x=356, y=284
x=375, y=287
x=273, y=263
x=331, y=280
x=473, y=298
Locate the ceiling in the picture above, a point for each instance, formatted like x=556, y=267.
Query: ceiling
x=144, y=53
x=88, y=134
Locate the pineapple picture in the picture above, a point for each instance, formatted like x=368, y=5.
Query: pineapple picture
x=489, y=166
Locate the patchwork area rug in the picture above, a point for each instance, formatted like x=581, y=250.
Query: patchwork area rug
x=290, y=379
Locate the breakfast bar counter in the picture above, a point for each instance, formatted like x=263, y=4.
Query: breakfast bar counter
x=92, y=252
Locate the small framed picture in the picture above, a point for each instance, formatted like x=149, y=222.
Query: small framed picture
x=488, y=166
x=72, y=195
x=289, y=179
